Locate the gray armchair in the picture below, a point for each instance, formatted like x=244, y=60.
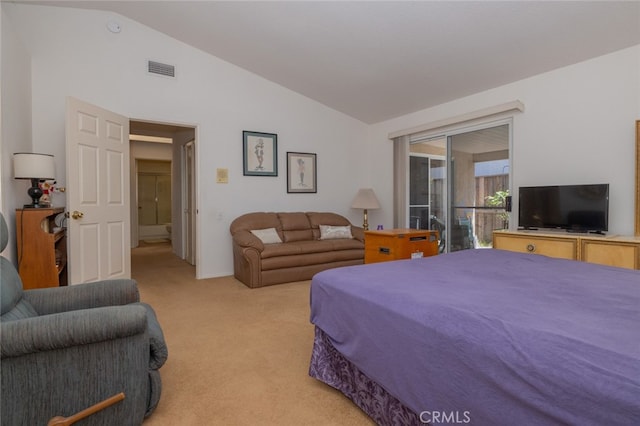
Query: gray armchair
x=67, y=349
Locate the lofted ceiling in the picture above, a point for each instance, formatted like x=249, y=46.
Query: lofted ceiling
x=383, y=59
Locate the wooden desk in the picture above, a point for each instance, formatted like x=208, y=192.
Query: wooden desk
x=396, y=244
x=42, y=248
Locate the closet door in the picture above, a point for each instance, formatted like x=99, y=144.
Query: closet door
x=147, y=213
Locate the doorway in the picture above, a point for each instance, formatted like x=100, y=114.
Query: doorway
x=163, y=185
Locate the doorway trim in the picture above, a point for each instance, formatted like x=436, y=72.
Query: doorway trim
x=189, y=205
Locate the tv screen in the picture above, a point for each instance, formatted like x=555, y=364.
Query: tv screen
x=579, y=208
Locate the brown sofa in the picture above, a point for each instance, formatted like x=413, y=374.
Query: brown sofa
x=299, y=256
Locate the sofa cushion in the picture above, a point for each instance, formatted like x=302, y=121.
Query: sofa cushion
x=294, y=221
x=295, y=227
x=317, y=219
x=251, y=221
x=307, y=247
x=299, y=235
x=330, y=232
x=302, y=260
x=267, y=236
x=325, y=218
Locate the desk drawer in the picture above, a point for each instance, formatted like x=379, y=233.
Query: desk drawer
x=611, y=253
x=552, y=247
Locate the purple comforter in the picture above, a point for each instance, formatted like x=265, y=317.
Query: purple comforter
x=490, y=336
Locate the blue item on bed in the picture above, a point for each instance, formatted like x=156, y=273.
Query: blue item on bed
x=491, y=336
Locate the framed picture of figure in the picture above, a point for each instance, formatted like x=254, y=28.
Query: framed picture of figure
x=301, y=173
x=259, y=154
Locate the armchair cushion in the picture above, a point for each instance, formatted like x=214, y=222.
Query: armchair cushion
x=12, y=305
x=158, y=351
x=59, y=331
x=155, y=387
x=83, y=296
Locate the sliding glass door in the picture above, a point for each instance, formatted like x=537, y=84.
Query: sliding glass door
x=459, y=184
x=427, y=185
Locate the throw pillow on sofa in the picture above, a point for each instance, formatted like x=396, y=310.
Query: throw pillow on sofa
x=328, y=232
x=267, y=236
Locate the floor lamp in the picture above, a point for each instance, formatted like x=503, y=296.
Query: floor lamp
x=365, y=199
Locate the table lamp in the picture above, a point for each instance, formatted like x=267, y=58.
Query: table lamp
x=29, y=165
x=365, y=199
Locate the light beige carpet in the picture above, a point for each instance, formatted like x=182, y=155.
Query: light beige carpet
x=237, y=356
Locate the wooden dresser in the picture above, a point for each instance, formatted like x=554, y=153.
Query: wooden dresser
x=396, y=244
x=612, y=250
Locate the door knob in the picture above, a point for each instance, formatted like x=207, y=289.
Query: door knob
x=76, y=214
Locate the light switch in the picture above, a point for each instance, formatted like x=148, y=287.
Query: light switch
x=222, y=175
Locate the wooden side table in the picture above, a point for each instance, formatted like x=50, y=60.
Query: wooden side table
x=396, y=244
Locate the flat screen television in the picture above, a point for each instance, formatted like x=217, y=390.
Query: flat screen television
x=577, y=208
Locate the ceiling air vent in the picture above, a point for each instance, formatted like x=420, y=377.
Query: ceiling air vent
x=161, y=69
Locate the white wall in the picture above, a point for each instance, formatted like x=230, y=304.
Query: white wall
x=578, y=127
x=73, y=54
x=16, y=125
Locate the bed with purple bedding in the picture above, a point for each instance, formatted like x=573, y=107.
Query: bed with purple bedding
x=483, y=337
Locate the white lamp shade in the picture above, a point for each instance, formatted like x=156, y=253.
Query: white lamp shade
x=28, y=165
x=365, y=199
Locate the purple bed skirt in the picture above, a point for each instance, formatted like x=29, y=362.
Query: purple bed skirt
x=330, y=367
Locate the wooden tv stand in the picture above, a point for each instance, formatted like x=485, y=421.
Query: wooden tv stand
x=612, y=250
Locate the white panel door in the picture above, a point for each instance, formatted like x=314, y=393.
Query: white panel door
x=97, y=193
